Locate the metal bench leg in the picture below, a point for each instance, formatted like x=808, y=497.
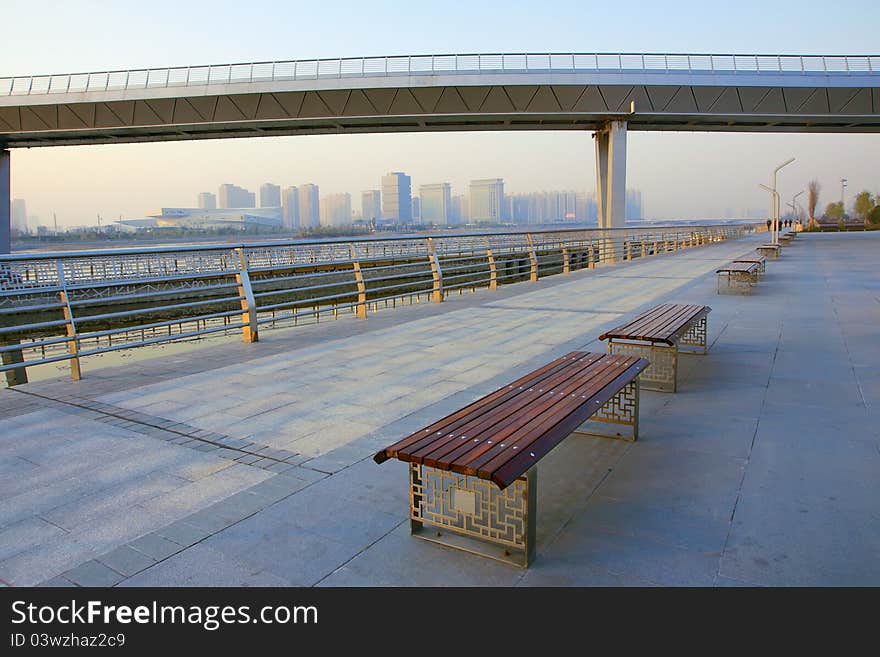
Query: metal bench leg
x=621, y=409
x=695, y=338
x=472, y=514
x=662, y=374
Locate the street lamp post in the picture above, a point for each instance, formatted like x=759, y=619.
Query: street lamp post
x=774, y=211
x=774, y=238
x=794, y=214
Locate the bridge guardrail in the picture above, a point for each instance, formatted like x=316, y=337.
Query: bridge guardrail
x=361, y=67
x=68, y=306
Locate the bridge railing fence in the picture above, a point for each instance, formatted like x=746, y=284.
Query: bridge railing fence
x=73, y=305
x=360, y=67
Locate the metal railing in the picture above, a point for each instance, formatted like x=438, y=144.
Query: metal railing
x=71, y=305
x=363, y=67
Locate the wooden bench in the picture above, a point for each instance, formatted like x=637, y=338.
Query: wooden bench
x=761, y=260
x=657, y=334
x=741, y=276
x=786, y=238
x=768, y=250
x=473, y=474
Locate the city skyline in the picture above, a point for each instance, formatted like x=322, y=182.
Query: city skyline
x=686, y=175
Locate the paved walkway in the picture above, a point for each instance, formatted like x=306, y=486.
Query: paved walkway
x=238, y=464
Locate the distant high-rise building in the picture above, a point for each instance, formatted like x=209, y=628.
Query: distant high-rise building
x=460, y=212
x=437, y=204
x=18, y=216
x=634, y=204
x=336, y=210
x=207, y=201
x=397, y=197
x=290, y=208
x=486, y=200
x=371, y=205
x=548, y=207
x=416, y=210
x=233, y=196
x=309, y=206
x=270, y=196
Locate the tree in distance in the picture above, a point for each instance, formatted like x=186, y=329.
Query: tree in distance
x=864, y=205
x=813, y=189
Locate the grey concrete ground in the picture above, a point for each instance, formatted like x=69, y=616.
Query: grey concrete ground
x=249, y=465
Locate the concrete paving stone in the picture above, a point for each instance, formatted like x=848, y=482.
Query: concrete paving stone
x=729, y=582
x=25, y=534
x=801, y=543
x=697, y=482
x=643, y=519
x=203, y=566
x=204, y=492
x=126, y=561
x=288, y=551
x=339, y=519
x=128, y=493
x=56, y=582
x=826, y=393
x=183, y=533
x=280, y=485
x=280, y=466
x=155, y=546
x=637, y=557
x=568, y=572
x=93, y=574
x=406, y=561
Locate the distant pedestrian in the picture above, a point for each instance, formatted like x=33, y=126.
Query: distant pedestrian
x=768, y=225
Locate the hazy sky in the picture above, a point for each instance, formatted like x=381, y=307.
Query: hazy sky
x=682, y=175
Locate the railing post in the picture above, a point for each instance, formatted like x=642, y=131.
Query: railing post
x=644, y=248
x=249, y=332
x=73, y=343
x=591, y=260
x=18, y=375
x=533, y=258
x=493, y=269
x=361, y=307
x=436, y=273
x=566, y=260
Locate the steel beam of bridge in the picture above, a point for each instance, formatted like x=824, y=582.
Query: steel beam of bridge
x=750, y=93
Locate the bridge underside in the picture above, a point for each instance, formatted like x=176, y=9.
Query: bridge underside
x=161, y=116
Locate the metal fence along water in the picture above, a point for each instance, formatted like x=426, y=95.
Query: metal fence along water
x=71, y=305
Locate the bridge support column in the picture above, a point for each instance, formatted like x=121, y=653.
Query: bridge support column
x=611, y=174
x=5, y=203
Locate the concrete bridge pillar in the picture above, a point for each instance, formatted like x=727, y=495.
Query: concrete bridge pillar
x=5, y=203
x=611, y=174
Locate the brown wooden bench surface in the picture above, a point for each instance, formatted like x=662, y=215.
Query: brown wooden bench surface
x=663, y=323
x=768, y=246
x=500, y=436
x=752, y=258
x=736, y=267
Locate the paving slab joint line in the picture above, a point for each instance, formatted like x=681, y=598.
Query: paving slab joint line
x=117, y=414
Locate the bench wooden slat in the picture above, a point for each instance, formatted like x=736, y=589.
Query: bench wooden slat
x=734, y=267
x=539, y=449
x=451, y=422
x=526, y=415
x=662, y=323
x=525, y=439
x=476, y=449
x=678, y=322
x=657, y=324
x=493, y=419
x=645, y=322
